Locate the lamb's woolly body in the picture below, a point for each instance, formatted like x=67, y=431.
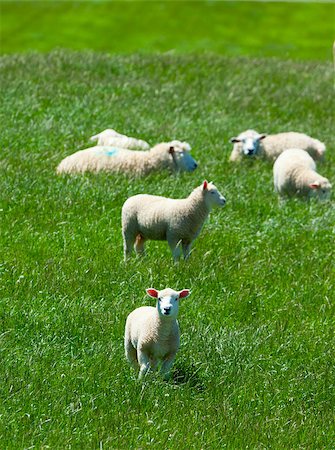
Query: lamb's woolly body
x=274, y=144
x=147, y=332
x=179, y=221
x=152, y=335
x=294, y=172
x=137, y=163
x=155, y=217
x=112, y=138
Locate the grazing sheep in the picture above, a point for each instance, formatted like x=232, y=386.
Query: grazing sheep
x=152, y=334
x=174, y=156
x=294, y=173
x=250, y=144
x=112, y=138
x=178, y=221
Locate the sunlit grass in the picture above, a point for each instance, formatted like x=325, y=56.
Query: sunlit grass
x=255, y=366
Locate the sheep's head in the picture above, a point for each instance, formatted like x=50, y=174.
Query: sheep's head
x=181, y=157
x=318, y=154
x=249, y=142
x=212, y=196
x=321, y=189
x=168, y=300
x=176, y=155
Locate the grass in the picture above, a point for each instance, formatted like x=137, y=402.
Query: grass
x=255, y=368
x=285, y=30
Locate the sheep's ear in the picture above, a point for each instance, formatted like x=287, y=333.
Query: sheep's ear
x=171, y=150
x=262, y=136
x=234, y=140
x=205, y=185
x=152, y=292
x=184, y=293
x=315, y=185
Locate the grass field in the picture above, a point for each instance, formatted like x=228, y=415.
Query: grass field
x=294, y=30
x=256, y=364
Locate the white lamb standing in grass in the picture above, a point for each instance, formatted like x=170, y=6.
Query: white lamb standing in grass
x=294, y=173
x=178, y=221
x=152, y=334
x=173, y=156
x=250, y=144
x=112, y=138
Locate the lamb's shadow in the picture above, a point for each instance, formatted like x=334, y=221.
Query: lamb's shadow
x=188, y=375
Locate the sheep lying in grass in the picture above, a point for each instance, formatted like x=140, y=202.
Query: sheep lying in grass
x=294, y=173
x=112, y=138
x=178, y=221
x=152, y=334
x=173, y=156
x=250, y=144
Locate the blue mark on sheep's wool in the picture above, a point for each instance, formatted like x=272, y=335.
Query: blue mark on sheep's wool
x=108, y=151
x=111, y=151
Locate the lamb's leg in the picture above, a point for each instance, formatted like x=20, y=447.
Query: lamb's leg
x=131, y=355
x=139, y=244
x=186, y=249
x=144, y=363
x=128, y=244
x=166, y=366
x=175, y=246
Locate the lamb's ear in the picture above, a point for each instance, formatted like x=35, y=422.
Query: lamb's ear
x=171, y=150
x=315, y=185
x=262, y=136
x=235, y=140
x=184, y=293
x=205, y=185
x=152, y=292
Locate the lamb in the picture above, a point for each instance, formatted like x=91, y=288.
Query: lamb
x=178, y=221
x=173, y=156
x=294, y=173
x=250, y=144
x=112, y=138
x=152, y=334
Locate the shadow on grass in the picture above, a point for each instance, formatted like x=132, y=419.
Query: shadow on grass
x=188, y=375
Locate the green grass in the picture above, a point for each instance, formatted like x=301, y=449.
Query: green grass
x=285, y=30
x=256, y=364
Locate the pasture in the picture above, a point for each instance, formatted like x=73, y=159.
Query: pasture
x=256, y=364
x=284, y=29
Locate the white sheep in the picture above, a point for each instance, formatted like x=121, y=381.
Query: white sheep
x=294, y=173
x=152, y=334
x=178, y=221
x=112, y=138
x=250, y=143
x=173, y=156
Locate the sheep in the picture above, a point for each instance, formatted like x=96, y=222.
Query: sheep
x=250, y=143
x=174, y=156
x=294, y=173
x=152, y=334
x=178, y=221
x=112, y=138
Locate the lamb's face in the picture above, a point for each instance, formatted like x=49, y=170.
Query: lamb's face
x=168, y=301
x=249, y=142
x=212, y=196
x=321, y=189
x=182, y=158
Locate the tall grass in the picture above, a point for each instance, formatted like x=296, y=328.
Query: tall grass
x=255, y=368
